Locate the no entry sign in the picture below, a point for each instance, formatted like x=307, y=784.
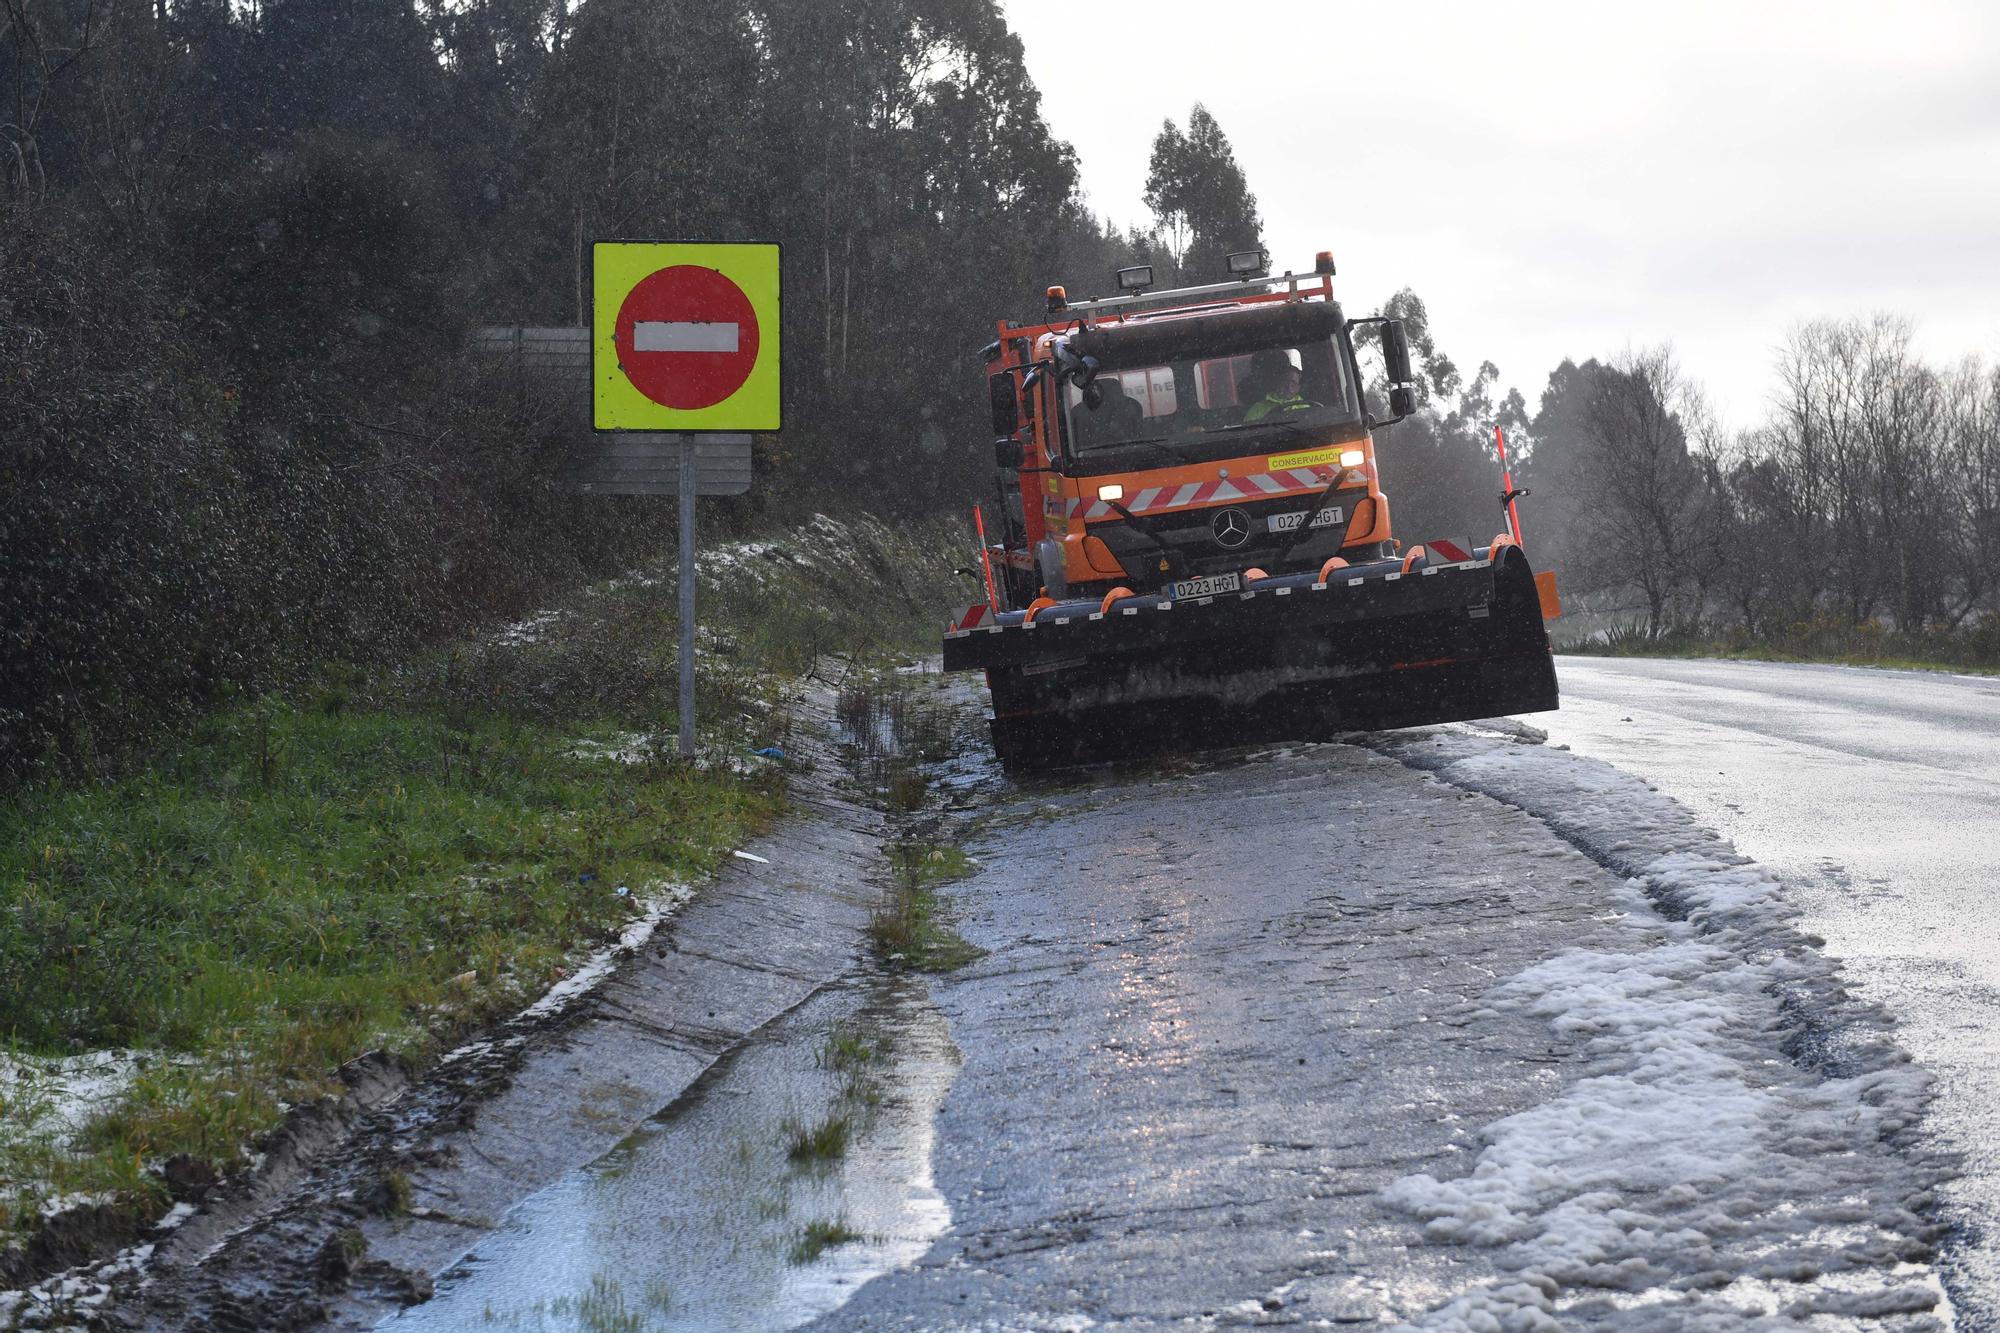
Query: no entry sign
x=685, y=336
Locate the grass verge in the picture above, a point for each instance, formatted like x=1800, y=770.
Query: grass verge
x=1975, y=651
x=291, y=887
x=391, y=859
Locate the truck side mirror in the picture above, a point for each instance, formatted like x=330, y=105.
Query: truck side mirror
x=1396, y=351
x=1006, y=404
x=1008, y=452
x=1402, y=400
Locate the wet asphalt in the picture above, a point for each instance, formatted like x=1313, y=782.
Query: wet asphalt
x=1213, y=1024
x=1225, y=1003
x=1875, y=795
x=699, y=1218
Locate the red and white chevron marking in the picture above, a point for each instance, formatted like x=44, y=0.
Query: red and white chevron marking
x=971, y=618
x=1256, y=486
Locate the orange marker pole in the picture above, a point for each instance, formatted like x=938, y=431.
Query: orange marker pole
x=1507, y=484
x=986, y=559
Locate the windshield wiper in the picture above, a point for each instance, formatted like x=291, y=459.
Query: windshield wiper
x=1153, y=444
x=1132, y=526
x=1276, y=423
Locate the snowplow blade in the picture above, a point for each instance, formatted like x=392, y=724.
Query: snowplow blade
x=1376, y=647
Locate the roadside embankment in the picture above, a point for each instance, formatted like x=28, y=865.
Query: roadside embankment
x=384, y=864
x=410, y=1187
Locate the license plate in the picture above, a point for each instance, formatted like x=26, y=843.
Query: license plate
x=1205, y=587
x=1328, y=518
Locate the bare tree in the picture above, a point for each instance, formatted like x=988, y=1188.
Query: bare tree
x=1645, y=520
x=1756, y=509
x=1865, y=439
x=1970, y=427
x=140, y=125
x=39, y=60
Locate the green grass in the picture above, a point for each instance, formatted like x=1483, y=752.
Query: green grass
x=290, y=887
x=899, y=729
x=845, y=1050
x=926, y=864
x=820, y=1143
x=817, y=1237
x=910, y=928
x=602, y=1307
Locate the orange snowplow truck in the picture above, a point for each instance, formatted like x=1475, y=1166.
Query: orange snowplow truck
x=1195, y=545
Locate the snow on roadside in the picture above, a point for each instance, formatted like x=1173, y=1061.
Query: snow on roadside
x=657, y=901
x=642, y=747
x=50, y=1098
x=63, y=1300
x=530, y=630
x=626, y=747
x=1691, y=1179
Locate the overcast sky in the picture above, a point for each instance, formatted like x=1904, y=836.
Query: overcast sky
x=1569, y=179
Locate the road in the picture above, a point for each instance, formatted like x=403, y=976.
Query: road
x=1875, y=796
x=1443, y=1029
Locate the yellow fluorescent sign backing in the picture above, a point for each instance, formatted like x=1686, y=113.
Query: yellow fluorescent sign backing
x=685, y=336
x=1309, y=458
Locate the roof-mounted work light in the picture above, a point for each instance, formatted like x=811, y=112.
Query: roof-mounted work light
x=1058, y=300
x=1250, y=263
x=1323, y=263
x=1135, y=279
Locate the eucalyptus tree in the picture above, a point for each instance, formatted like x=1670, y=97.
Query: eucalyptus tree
x=1199, y=196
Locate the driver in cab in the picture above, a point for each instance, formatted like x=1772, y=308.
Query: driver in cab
x=1279, y=372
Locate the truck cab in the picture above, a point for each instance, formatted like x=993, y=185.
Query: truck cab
x=1183, y=441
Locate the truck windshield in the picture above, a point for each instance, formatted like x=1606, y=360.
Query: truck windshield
x=1277, y=388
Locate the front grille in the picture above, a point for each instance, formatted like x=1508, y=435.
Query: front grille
x=1190, y=536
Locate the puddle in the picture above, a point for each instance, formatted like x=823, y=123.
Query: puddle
x=703, y=1218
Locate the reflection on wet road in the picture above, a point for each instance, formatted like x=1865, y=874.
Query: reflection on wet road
x=1241, y=1053
x=1876, y=796
x=796, y=1170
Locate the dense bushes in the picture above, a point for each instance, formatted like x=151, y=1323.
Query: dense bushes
x=178, y=517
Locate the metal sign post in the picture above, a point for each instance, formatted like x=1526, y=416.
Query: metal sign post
x=687, y=599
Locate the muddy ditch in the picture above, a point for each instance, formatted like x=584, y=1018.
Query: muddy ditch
x=732, y=1129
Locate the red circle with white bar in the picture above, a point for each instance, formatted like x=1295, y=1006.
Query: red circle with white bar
x=686, y=337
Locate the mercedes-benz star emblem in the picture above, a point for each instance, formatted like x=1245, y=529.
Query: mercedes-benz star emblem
x=1232, y=528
